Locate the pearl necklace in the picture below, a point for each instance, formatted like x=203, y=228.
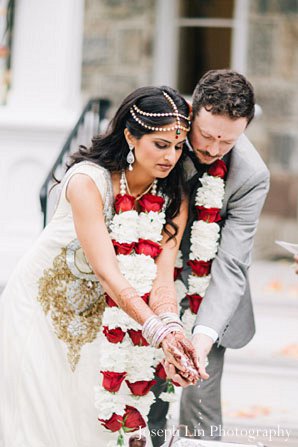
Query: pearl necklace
x=124, y=187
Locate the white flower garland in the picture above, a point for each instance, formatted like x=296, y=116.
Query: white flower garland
x=137, y=362
x=204, y=238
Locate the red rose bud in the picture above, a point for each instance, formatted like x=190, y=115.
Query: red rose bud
x=132, y=419
x=114, y=423
x=146, y=297
x=124, y=203
x=109, y=301
x=194, y=302
x=200, y=268
x=161, y=372
x=177, y=271
x=112, y=380
x=150, y=202
x=124, y=248
x=149, y=248
x=208, y=214
x=218, y=169
x=137, y=338
x=114, y=335
x=141, y=387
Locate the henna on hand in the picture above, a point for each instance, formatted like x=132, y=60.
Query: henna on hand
x=180, y=352
x=163, y=299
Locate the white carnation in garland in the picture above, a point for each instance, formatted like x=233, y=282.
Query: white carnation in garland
x=114, y=317
x=142, y=403
x=139, y=270
x=211, y=193
x=114, y=357
x=108, y=403
x=168, y=397
x=204, y=237
x=140, y=355
x=188, y=320
x=124, y=227
x=158, y=356
x=151, y=225
x=198, y=284
x=140, y=372
x=181, y=290
x=179, y=260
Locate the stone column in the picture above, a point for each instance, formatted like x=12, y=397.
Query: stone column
x=42, y=108
x=165, y=50
x=47, y=53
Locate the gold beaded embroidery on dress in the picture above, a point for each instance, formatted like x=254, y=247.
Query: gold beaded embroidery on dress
x=72, y=295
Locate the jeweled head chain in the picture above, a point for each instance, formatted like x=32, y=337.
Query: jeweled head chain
x=178, y=126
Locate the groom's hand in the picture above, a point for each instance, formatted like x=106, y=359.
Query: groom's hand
x=203, y=344
x=175, y=375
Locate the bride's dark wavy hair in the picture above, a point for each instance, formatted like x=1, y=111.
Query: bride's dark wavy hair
x=110, y=149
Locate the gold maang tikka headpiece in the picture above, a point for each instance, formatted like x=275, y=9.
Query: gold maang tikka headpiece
x=134, y=110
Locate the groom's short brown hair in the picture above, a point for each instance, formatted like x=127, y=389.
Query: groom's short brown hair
x=224, y=92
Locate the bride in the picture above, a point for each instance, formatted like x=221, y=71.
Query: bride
x=93, y=305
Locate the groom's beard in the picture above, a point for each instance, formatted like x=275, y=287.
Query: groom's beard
x=204, y=156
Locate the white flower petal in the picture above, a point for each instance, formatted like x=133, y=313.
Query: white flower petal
x=211, y=193
x=198, y=284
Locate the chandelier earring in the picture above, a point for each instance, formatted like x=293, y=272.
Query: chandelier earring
x=130, y=157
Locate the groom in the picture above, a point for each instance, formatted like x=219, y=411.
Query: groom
x=223, y=106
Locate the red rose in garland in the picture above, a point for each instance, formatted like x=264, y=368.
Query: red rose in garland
x=141, y=387
x=208, y=214
x=194, y=302
x=124, y=203
x=218, y=169
x=114, y=423
x=114, y=335
x=137, y=337
x=132, y=419
x=146, y=297
x=177, y=271
x=123, y=248
x=161, y=372
x=112, y=380
x=149, y=248
x=150, y=202
x=109, y=301
x=200, y=268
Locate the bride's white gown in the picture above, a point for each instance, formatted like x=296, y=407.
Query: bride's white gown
x=50, y=315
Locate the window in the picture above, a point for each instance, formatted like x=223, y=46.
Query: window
x=205, y=36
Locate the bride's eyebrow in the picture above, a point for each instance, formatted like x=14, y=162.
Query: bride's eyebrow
x=161, y=139
x=168, y=142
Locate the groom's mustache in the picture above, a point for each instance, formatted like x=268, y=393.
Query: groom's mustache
x=207, y=153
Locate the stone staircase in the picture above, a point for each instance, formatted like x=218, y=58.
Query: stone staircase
x=260, y=381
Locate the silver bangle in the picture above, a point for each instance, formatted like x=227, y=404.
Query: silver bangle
x=170, y=317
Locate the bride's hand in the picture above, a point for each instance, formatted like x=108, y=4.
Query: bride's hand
x=180, y=352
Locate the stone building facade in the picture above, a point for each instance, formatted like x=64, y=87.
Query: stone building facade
x=119, y=54
x=117, y=46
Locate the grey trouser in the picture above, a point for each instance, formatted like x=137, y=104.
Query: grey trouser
x=200, y=407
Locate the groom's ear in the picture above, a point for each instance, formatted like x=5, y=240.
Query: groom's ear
x=190, y=110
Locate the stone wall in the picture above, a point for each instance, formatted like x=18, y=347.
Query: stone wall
x=118, y=47
x=272, y=62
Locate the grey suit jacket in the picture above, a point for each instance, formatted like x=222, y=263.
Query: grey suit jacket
x=227, y=305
